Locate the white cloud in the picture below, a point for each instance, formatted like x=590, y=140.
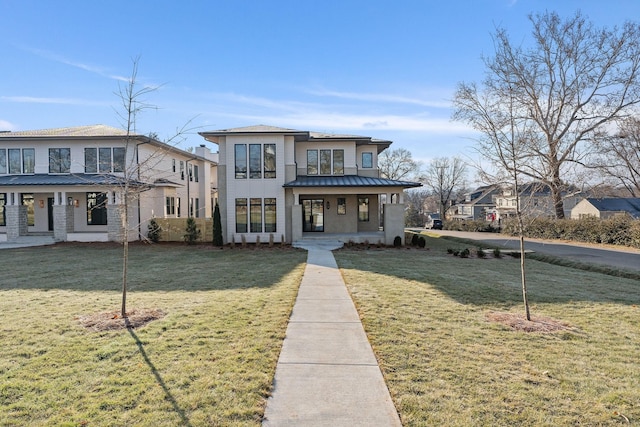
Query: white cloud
x=7, y=126
x=63, y=60
x=378, y=97
x=61, y=101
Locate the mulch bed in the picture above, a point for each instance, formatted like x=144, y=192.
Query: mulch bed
x=518, y=322
x=113, y=321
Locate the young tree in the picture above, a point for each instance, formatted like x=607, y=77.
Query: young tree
x=132, y=182
x=217, y=227
x=398, y=164
x=445, y=177
x=572, y=81
x=504, y=139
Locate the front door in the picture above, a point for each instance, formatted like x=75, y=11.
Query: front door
x=312, y=214
x=50, y=212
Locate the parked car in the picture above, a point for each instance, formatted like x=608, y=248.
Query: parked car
x=434, y=224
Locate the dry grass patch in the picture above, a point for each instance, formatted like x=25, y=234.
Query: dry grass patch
x=208, y=358
x=425, y=314
x=113, y=320
x=519, y=322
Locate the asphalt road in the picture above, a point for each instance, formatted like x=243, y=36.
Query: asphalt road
x=624, y=258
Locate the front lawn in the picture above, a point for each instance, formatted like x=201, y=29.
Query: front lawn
x=209, y=361
x=446, y=364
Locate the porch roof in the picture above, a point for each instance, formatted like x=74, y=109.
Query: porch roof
x=348, y=181
x=64, y=179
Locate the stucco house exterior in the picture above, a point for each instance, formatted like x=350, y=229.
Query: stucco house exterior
x=68, y=183
x=535, y=201
x=289, y=184
x=607, y=208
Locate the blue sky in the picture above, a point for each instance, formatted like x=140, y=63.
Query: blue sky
x=377, y=68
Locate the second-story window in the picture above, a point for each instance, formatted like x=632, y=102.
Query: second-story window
x=312, y=162
x=19, y=160
x=195, y=173
x=367, y=160
x=269, y=160
x=338, y=162
x=104, y=160
x=190, y=172
x=240, y=152
x=59, y=160
x=255, y=161
x=181, y=170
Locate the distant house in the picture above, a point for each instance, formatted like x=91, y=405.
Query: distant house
x=535, y=201
x=607, y=208
x=477, y=204
x=67, y=183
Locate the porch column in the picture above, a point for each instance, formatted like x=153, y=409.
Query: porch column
x=16, y=217
x=393, y=222
x=62, y=216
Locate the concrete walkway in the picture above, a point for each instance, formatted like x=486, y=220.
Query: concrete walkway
x=327, y=374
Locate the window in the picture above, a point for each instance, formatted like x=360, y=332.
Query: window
x=270, y=215
x=197, y=203
x=367, y=160
x=27, y=200
x=171, y=206
x=363, y=209
x=3, y=161
x=312, y=162
x=3, y=215
x=173, y=164
x=191, y=207
x=325, y=162
x=241, y=161
x=338, y=162
x=59, y=160
x=28, y=160
x=178, y=204
x=96, y=209
x=342, y=206
x=241, y=215
x=195, y=172
x=14, y=161
x=269, y=160
x=104, y=160
x=190, y=172
x=181, y=170
x=255, y=161
x=119, y=159
x=90, y=160
x=255, y=206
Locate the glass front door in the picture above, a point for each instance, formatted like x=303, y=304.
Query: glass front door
x=313, y=214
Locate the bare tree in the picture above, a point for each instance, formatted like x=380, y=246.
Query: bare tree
x=398, y=164
x=504, y=139
x=572, y=81
x=135, y=177
x=619, y=155
x=445, y=177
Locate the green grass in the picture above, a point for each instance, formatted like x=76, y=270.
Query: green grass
x=445, y=364
x=210, y=361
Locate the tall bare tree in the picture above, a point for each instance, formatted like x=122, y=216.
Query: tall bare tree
x=571, y=81
x=398, y=164
x=618, y=155
x=445, y=177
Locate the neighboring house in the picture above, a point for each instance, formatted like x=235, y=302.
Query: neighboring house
x=477, y=204
x=289, y=184
x=68, y=182
x=535, y=201
x=607, y=208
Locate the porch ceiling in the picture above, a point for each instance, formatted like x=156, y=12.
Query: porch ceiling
x=63, y=179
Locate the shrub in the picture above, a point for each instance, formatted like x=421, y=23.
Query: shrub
x=465, y=253
x=497, y=253
x=481, y=253
x=153, y=231
x=192, y=232
x=455, y=252
x=421, y=242
x=449, y=250
x=397, y=241
x=414, y=240
x=217, y=227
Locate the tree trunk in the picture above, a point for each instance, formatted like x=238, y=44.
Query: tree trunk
x=125, y=254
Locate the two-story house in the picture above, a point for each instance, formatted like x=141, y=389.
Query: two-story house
x=477, y=204
x=70, y=183
x=535, y=201
x=288, y=184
